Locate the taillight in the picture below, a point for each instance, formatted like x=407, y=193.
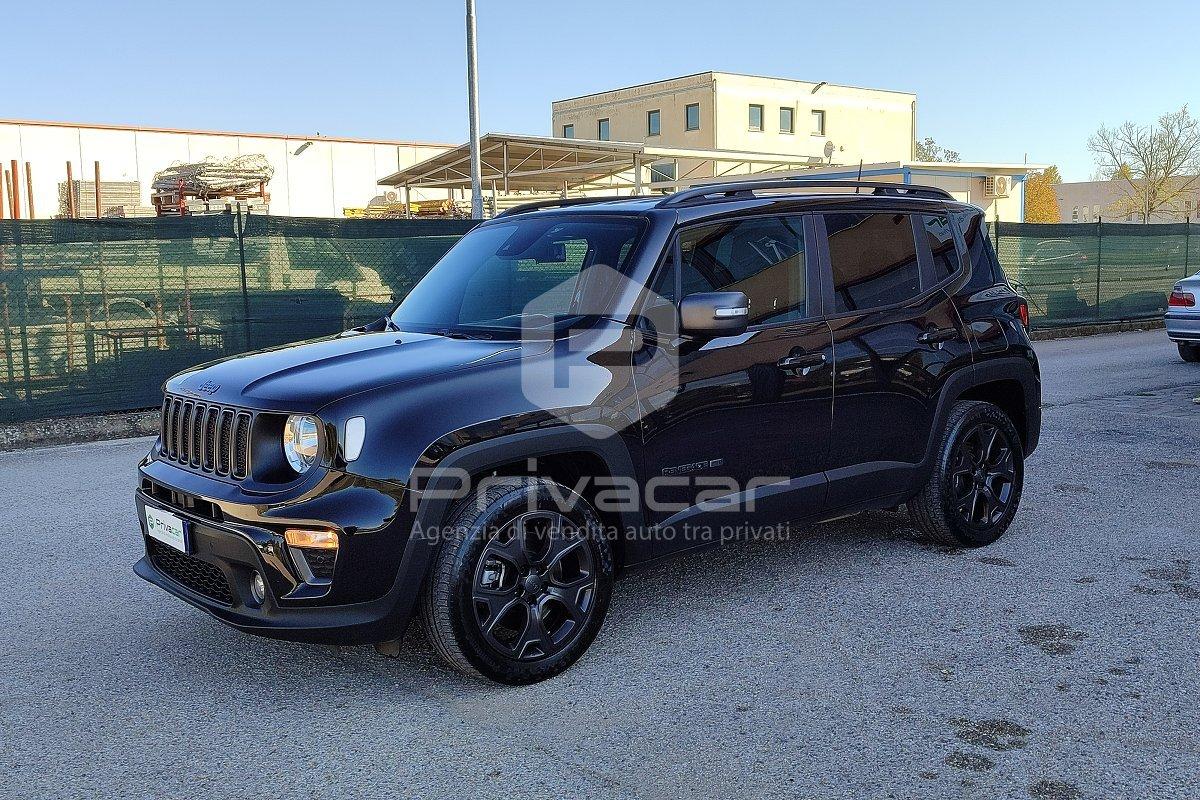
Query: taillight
x=1023, y=312
x=1182, y=299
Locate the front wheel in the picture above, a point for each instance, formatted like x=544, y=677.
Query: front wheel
x=973, y=493
x=521, y=582
x=1189, y=352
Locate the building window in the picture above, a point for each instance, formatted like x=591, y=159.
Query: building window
x=1075, y=214
x=602, y=130
x=691, y=114
x=818, y=123
x=1187, y=208
x=568, y=131
x=1095, y=212
x=663, y=171
x=787, y=120
x=756, y=117
x=653, y=125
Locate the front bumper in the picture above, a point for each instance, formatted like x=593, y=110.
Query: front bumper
x=1183, y=326
x=367, y=599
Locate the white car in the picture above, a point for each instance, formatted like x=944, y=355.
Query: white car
x=1183, y=318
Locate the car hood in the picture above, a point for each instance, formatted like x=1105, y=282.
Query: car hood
x=310, y=375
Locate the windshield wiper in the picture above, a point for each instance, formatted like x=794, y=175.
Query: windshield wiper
x=453, y=334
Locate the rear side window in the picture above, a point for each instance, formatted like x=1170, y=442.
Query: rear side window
x=764, y=258
x=983, y=273
x=940, y=236
x=874, y=260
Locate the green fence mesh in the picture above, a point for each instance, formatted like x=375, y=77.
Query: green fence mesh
x=1096, y=272
x=97, y=313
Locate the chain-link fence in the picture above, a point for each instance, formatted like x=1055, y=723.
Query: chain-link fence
x=96, y=314
x=1075, y=274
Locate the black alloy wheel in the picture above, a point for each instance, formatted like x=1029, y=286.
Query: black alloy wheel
x=974, y=488
x=982, y=475
x=534, y=587
x=520, y=584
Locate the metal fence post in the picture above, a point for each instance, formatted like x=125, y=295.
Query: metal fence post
x=241, y=236
x=1187, y=245
x=1099, y=257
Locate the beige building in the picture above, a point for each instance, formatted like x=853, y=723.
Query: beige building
x=314, y=176
x=822, y=123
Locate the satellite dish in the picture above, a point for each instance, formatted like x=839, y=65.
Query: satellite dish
x=829, y=149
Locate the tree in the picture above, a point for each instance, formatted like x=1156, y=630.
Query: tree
x=1157, y=166
x=929, y=150
x=1041, y=203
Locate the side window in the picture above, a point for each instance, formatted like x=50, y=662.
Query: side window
x=970, y=224
x=941, y=244
x=873, y=258
x=764, y=258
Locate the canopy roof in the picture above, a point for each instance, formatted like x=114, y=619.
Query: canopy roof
x=542, y=163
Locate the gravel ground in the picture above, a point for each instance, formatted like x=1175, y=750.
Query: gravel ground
x=848, y=661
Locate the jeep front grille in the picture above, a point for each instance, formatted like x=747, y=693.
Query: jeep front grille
x=206, y=436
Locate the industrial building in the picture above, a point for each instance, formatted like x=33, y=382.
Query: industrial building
x=314, y=176
x=653, y=137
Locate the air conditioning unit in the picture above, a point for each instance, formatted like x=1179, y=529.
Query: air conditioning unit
x=996, y=186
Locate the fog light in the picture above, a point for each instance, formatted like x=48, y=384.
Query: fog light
x=314, y=539
x=258, y=587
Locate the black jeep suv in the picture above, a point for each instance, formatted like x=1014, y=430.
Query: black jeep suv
x=582, y=386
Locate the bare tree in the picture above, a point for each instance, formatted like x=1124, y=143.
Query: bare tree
x=929, y=150
x=1157, y=166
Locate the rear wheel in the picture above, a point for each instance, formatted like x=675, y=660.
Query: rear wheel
x=521, y=583
x=1189, y=352
x=973, y=493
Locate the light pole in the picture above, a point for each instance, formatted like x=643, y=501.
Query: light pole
x=473, y=113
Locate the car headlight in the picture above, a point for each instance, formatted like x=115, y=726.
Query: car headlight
x=301, y=442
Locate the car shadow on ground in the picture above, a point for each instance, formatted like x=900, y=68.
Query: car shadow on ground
x=647, y=603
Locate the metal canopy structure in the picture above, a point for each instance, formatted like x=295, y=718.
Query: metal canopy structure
x=545, y=164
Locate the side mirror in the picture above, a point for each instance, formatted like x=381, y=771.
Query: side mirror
x=712, y=314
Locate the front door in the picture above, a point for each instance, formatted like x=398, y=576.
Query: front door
x=742, y=418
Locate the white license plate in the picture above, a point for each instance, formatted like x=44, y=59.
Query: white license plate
x=167, y=528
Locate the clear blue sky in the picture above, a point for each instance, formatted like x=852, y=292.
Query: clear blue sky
x=995, y=80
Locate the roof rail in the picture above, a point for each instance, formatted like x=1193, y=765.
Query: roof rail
x=560, y=202
x=744, y=189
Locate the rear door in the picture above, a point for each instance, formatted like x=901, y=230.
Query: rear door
x=896, y=335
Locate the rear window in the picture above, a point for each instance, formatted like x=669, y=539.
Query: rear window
x=873, y=258
x=983, y=273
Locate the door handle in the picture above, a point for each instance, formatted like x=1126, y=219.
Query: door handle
x=938, y=336
x=803, y=363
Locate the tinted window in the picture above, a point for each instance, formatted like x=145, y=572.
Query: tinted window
x=970, y=224
x=874, y=260
x=941, y=244
x=652, y=123
x=692, y=117
x=787, y=120
x=762, y=257
x=568, y=131
x=529, y=273
x=602, y=130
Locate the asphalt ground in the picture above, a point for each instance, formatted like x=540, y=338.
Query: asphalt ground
x=850, y=660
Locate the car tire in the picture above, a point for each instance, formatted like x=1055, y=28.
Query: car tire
x=975, y=487
x=520, y=584
x=1189, y=352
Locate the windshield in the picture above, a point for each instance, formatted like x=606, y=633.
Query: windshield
x=528, y=275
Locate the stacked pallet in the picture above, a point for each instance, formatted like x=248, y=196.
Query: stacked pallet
x=216, y=177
